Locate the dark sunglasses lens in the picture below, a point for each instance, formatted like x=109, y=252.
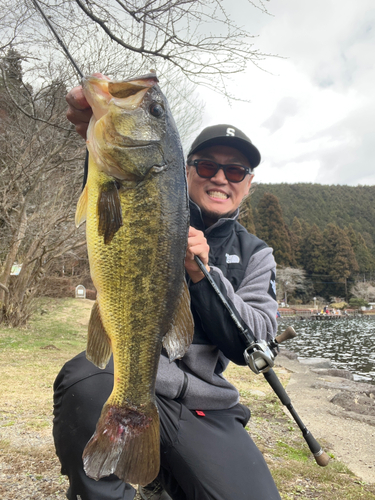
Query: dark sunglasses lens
x=206, y=169
x=235, y=173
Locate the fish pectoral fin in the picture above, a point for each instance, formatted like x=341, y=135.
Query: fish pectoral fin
x=180, y=336
x=109, y=212
x=81, y=211
x=98, y=349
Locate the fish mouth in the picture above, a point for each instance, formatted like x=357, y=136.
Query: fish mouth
x=127, y=94
x=130, y=87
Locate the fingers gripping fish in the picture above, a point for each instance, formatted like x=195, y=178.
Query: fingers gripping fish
x=136, y=210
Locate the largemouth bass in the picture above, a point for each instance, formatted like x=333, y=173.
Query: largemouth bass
x=136, y=209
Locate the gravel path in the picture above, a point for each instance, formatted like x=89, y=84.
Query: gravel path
x=347, y=423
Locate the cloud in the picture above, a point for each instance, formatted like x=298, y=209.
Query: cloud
x=287, y=106
x=312, y=113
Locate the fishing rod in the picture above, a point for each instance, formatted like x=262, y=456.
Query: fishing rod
x=259, y=356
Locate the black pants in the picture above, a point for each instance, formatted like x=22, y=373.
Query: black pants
x=203, y=457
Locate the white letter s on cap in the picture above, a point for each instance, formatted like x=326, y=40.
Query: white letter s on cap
x=231, y=131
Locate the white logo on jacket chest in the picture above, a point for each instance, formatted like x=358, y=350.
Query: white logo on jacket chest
x=232, y=259
x=273, y=284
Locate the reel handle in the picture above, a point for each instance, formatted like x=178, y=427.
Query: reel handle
x=287, y=334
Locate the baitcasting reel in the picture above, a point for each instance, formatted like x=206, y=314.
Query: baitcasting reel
x=260, y=356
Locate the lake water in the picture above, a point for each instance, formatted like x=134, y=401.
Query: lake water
x=348, y=343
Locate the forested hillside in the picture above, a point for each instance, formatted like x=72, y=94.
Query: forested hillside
x=320, y=204
x=323, y=233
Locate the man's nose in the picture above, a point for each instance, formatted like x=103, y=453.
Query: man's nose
x=219, y=177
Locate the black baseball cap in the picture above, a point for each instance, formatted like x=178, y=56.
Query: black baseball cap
x=226, y=135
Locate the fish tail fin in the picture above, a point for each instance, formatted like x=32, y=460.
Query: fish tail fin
x=126, y=443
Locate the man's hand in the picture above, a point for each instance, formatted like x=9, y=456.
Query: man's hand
x=79, y=111
x=197, y=245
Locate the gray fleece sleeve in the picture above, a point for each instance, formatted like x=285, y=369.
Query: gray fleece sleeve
x=253, y=301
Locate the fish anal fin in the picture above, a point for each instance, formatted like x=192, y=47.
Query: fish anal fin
x=127, y=443
x=180, y=336
x=81, y=210
x=109, y=212
x=98, y=349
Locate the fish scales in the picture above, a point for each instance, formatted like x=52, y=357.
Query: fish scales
x=136, y=212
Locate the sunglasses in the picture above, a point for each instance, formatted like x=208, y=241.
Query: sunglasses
x=208, y=169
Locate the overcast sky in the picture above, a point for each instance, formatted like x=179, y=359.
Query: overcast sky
x=312, y=114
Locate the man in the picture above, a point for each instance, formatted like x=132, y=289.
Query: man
x=206, y=453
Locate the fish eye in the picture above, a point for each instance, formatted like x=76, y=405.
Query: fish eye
x=156, y=109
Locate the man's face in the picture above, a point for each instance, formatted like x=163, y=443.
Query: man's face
x=217, y=197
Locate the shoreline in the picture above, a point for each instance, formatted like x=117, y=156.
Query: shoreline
x=334, y=408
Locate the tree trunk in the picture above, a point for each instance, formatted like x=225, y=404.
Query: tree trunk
x=18, y=236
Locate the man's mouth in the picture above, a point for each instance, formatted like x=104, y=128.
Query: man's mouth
x=218, y=194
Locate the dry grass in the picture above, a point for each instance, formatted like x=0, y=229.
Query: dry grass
x=30, y=359
x=29, y=362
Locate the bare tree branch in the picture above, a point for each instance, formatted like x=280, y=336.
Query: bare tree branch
x=3, y=287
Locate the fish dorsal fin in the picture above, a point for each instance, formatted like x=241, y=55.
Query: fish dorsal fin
x=98, y=349
x=180, y=336
x=109, y=212
x=81, y=211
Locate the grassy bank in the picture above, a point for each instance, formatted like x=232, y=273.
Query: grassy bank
x=31, y=358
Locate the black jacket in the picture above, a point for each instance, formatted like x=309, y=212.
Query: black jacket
x=243, y=267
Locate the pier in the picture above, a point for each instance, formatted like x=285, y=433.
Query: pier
x=325, y=317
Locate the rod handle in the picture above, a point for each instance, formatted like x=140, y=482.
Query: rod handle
x=320, y=456
x=276, y=385
x=287, y=334
x=322, y=459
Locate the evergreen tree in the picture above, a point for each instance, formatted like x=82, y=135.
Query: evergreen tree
x=271, y=228
x=312, y=257
x=365, y=260
x=11, y=83
x=12, y=64
x=246, y=217
x=296, y=240
x=340, y=258
x=339, y=253
x=306, y=228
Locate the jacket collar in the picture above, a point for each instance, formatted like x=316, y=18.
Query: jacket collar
x=221, y=227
